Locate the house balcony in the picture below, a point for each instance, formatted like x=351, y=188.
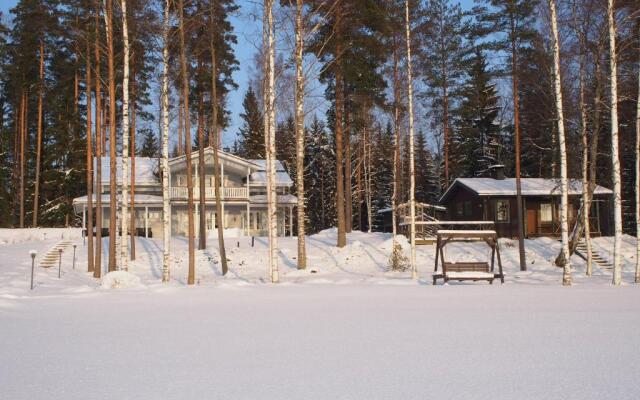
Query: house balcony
x=227, y=193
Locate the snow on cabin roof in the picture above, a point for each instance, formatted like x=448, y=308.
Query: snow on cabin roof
x=530, y=187
x=260, y=177
x=146, y=170
x=141, y=199
x=282, y=199
x=263, y=165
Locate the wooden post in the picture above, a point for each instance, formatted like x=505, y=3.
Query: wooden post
x=146, y=221
x=248, y=218
x=84, y=217
x=290, y=221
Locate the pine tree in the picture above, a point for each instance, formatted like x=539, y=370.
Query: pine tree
x=252, y=131
x=476, y=142
x=427, y=186
x=320, y=178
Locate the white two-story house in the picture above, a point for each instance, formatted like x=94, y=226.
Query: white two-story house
x=244, y=205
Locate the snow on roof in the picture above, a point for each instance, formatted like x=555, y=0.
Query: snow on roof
x=141, y=199
x=282, y=199
x=146, y=170
x=260, y=178
x=263, y=165
x=530, y=187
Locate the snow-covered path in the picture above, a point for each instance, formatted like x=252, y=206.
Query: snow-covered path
x=314, y=341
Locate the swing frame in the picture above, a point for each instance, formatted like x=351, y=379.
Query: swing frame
x=467, y=271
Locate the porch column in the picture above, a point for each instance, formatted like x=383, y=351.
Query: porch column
x=84, y=217
x=222, y=182
x=248, y=217
x=248, y=176
x=146, y=221
x=197, y=220
x=224, y=220
x=290, y=221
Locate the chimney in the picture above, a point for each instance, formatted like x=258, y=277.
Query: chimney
x=498, y=171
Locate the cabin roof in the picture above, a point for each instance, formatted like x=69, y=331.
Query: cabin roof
x=507, y=187
x=146, y=170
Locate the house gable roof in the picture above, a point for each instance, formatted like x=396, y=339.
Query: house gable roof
x=507, y=187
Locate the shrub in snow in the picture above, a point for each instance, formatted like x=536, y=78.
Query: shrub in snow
x=398, y=261
x=119, y=280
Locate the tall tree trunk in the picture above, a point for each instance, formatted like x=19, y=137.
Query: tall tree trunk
x=564, y=183
x=412, y=172
x=396, y=142
x=23, y=139
x=132, y=229
x=339, y=89
x=202, y=221
x=124, y=208
x=615, y=158
x=88, y=86
x=36, y=191
x=187, y=136
x=215, y=142
x=166, y=208
x=97, y=268
x=113, y=198
x=270, y=145
x=180, y=148
x=348, y=201
x=299, y=121
x=516, y=128
x=637, y=277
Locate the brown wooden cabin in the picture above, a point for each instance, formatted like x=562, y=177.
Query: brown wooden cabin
x=494, y=199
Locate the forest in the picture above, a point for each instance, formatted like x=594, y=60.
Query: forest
x=367, y=103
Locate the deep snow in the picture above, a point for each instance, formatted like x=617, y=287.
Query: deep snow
x=345, y=328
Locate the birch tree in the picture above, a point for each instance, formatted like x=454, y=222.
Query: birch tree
x=166, y=210
x=270, y=130
x=124, y=207
x=564, y=185
x=412, y=172
x=299, y=117
x=615, y=158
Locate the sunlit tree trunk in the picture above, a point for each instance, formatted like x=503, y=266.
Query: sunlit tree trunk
x=202, y=221
x=124, y=208
x=339, y=93
x=90, y=255
x=396, y=141
x=299, y=120
x=270, y=145
x=97, y=268
x=36, y=191
x=187, y=136
x=637, y=277
x=412, y=172
x=564, y=184
x=166, y=209
x=23, y=139
x=132, y=229
x=615, y=158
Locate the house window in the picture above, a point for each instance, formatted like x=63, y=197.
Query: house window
x=546, y=213
x=459, y=209
x=182, y=180
x=468, y=209
x=502, y=211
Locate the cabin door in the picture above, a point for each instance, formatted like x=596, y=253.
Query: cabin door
x=532, y=222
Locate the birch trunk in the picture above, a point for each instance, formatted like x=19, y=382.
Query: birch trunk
x=396, y=142
x=36, y=191
x=166, y=209
x=412, y=174
x=124, y=207
x=202, y=220
x=270, y=142
x=90, y=255
x=132, y=229
x=215, y=142
x=637, y=276
x=187, y=137
x=97, y=268
x=299, y=121
x=615, y=158
x=113, y=200
x=564, y=184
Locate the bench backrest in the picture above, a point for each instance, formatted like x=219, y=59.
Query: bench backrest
x=466, y=267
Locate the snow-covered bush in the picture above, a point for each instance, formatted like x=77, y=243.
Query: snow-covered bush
x=119, y=280
x=398, y=261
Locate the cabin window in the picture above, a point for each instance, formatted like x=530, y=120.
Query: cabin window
x=502, y=211
x=459, y=209
x=546, y=213
x=468, y=209
x=182, y=180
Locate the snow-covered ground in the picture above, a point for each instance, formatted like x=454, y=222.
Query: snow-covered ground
x=345, y=328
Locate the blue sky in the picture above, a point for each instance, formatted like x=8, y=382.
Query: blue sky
x=248, y=32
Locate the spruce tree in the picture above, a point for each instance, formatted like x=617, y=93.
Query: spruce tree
x=150, y=146
x=427, y=185
x=251, y=133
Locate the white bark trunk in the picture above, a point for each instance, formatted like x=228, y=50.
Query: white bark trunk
x=564, y=185
x=270, y=145
x=166, y=210
x=412, y=175
x=615, y=159
x=586, y=192
x=299, y=99
x=124, y=208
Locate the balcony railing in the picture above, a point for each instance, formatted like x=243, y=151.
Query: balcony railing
x=180, y=192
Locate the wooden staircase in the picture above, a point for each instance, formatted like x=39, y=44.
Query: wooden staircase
x=601, y=262
x=52, y=257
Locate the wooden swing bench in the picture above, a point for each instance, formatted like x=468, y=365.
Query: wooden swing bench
x=467, y=271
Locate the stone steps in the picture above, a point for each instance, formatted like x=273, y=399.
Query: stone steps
x=52, y=257
x=598, y=259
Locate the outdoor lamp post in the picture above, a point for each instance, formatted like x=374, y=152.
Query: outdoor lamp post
x=33, y=254
x=59, y=263
x=74, y=256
